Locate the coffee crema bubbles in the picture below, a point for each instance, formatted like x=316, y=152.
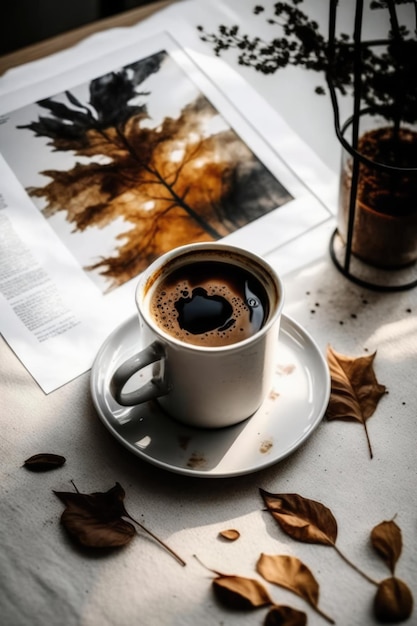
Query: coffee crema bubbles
x=210, y=303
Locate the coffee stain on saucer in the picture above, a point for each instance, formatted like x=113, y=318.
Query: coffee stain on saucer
x=196, y=461
x=266, y=446
x=273, y=394
x=285, y=370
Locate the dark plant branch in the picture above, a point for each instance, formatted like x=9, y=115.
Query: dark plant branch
x=388, y=65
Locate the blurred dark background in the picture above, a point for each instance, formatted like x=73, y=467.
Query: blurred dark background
x=25, y=22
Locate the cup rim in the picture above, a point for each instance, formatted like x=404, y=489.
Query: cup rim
x=148, y=278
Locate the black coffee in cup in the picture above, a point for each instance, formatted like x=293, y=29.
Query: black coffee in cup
x=209, y=318
x=209, y=301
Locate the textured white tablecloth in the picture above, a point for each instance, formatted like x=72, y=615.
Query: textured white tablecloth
x=45, y=580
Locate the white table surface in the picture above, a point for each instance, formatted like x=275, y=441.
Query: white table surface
x=44, y=580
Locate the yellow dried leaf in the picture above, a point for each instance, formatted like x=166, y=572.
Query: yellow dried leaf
x=355, y=391
x=290, y=573
x=231, y=534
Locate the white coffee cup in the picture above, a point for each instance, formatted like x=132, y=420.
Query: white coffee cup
x=209, y=317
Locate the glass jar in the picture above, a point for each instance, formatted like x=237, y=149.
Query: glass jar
x=384, y=231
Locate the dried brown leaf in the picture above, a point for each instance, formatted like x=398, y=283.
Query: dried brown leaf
x=290, y=573
x=393, y=601
x=230, y=534
x=386, y=539
x=238, y=592
x=301, y=518
x=307, y=521
x=355, y=391
x=44, y=462
x=95, y=520
x=281, y=615
x=91, y=532
x=105, y=506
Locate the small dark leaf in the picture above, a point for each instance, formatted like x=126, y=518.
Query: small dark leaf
x=302, y=519
x=281, y=615
x=387, y=541
x=393, y=601
x=238, y=592
x=44, y=462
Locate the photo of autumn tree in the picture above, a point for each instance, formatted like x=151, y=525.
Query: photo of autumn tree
x=149, y=153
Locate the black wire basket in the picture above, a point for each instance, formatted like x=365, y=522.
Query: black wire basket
x=395, y=269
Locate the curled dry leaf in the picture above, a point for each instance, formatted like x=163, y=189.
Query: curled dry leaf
x=281, y=615
x=393, y=601
x=95, y=520
x=91, y=532
x=387, y=541
x=290, y=573
x=301, y=518
x=355, y=391
x=231, y=534
x=44, y=462
x=238, y=592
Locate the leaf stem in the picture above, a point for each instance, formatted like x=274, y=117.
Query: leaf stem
x=320, y=612
x=353, y=566
x=158, y=540
x=213, y=571
x=371, y=454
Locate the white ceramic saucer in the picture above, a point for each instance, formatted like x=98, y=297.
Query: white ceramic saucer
x=288, y=416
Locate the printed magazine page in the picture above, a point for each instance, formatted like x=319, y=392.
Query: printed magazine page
x=114, y=163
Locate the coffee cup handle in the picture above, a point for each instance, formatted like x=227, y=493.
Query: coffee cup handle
x=153, y=388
